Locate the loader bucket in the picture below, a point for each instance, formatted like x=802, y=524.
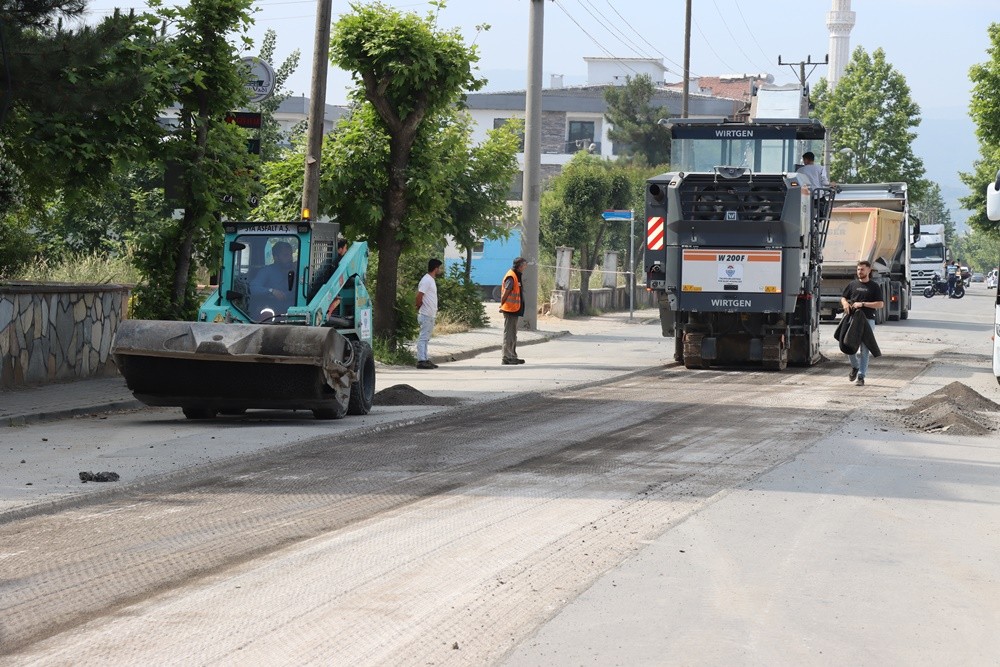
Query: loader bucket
x=205, y=367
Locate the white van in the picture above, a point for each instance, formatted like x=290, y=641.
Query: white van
x=991, y=279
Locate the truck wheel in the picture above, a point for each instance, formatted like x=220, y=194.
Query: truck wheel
x=904, y=314
x=199, y=413
x=362, y=389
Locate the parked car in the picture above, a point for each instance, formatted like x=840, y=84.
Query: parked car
x=991, y=279
x=977, y=278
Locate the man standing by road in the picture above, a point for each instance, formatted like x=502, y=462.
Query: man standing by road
x=512, y=307
x=427, y=306
x=862, y=295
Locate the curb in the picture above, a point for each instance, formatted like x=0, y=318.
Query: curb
x=468, y=354
x=67, y=413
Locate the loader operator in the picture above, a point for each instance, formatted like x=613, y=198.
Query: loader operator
x=269, y=290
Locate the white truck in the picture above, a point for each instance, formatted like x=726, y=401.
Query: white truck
x=993, y=213
x=928, y=256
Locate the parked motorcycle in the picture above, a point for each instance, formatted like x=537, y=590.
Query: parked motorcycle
x=940, y=286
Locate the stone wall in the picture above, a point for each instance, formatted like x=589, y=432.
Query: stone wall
x=54, y=331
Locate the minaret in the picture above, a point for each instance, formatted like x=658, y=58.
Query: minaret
x=839, y=20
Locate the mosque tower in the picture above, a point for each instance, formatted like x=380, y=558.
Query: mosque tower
x=839, y=20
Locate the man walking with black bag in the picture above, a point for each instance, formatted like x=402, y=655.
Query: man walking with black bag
x=861, y=298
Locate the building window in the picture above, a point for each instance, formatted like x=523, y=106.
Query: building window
x=500, y=122
x=581, y=135
x=516, y=187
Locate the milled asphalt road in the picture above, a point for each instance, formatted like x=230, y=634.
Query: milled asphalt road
x=873, y=546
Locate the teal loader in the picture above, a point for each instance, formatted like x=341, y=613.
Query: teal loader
x=289, y=327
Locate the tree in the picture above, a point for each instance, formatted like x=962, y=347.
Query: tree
x=270, y=133
x=977, y=249
x=931, y=209
x=871, y=113
x=985, y=112
x=571, y=209
x=209, y=154
x=634, y=126
x=78, y=102
x=408, y=71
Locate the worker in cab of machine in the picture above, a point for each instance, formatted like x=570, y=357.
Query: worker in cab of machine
x=273, y=288
x=861, y=299
x=814, y=174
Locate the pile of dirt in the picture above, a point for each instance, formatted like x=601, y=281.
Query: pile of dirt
x=955, y=409
x=404, y=394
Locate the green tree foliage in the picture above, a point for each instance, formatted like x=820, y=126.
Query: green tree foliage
x=209, y=154
x=633, y=119
x=270, y=133
x=571, y=209
x=976, y=249
x=931, y=209
x=79, y=101
x=409, y=73
x=984, y=109
x=871, y=112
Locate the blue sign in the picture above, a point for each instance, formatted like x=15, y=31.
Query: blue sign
x=617, y=215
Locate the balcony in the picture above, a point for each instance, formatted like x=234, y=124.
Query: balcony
x=583, y=144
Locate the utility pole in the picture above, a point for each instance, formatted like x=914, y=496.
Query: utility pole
x=687, y=59
x=803, y=77
x=531, y=203
x=317, y=109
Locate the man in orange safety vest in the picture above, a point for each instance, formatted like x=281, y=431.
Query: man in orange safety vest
x=512, y=307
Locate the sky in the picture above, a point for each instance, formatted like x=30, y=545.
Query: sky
x=932, y=43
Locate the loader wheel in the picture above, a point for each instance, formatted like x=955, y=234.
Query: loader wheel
x=199, y=413
x=362, y=389
x=336, y=412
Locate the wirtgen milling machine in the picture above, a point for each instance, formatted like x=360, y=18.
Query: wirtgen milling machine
x=734, y=242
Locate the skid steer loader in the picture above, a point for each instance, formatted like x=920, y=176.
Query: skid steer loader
x=289, y=327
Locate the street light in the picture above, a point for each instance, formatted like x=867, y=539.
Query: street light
x=854, y=165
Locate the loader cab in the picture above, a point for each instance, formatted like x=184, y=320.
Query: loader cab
x=262, y=270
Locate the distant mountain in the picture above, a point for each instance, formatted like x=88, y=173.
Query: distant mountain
x=948, y=146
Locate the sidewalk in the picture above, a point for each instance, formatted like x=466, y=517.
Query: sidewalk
x=69, y=399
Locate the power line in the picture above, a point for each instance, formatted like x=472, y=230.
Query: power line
x=592, y=38
x=656, y=50
x=736, y=41
x=709, y=44
x=752, y=36
x=611, y=27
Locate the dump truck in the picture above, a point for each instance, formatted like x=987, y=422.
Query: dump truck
x=734, y=242
x=871, y=222
x=289, y=327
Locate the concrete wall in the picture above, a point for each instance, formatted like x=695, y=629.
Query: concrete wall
x=565, y=303
x=53, y=331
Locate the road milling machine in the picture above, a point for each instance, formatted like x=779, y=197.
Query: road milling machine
x=289, y=327
x=734, y=242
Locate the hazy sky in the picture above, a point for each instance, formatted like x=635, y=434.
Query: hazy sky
x=932, y=43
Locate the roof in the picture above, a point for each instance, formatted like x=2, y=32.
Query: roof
x=590, y=99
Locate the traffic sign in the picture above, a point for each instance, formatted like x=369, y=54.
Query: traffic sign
x=617, y=215
x=259, y=79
